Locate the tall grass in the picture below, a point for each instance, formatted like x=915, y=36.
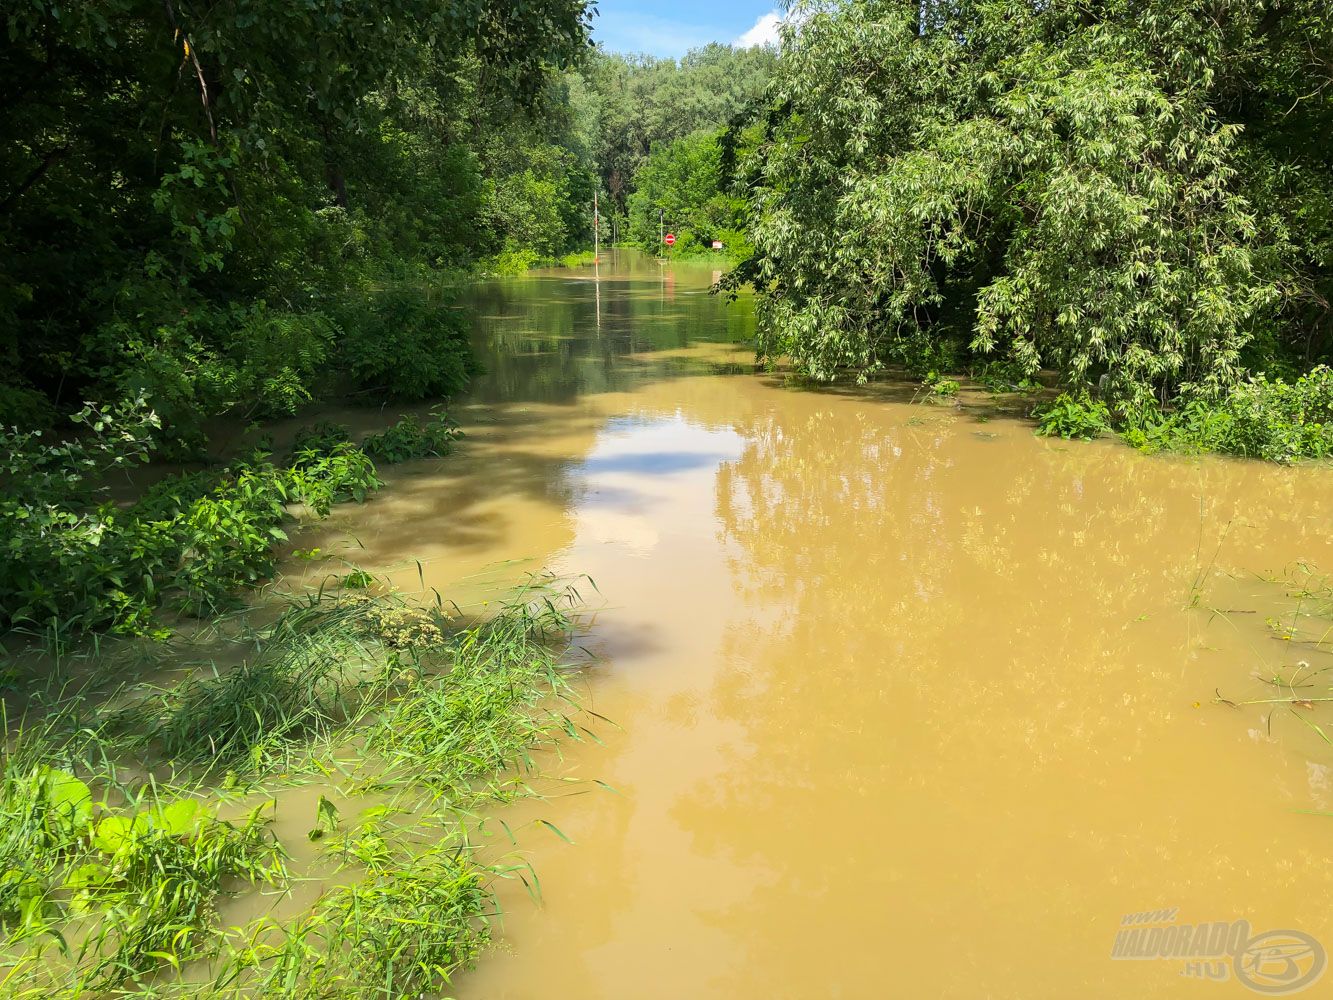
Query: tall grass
x=481, y=716
x=112, y=873
x=96, y=893
x=402, y=931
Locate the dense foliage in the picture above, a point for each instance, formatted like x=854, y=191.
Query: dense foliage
x=1137, y=196
x=74, y=560
x=231, y=206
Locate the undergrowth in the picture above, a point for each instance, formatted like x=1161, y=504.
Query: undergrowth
x=74, y=562
x=1274, y=420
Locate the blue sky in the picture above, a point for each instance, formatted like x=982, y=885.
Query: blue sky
x=671, y=28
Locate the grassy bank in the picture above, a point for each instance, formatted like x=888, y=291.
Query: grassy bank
x=129, y=816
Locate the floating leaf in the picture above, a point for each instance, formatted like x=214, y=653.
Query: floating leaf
x=181, y=818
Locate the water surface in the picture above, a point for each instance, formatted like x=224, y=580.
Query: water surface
x=912, y=702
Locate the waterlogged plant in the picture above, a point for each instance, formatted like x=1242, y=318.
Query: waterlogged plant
x=402, y=342
x=323, y=437
x=412, y=438
x=1074, y=415
x=106, y=892
x=57, y=525
x=71, y=561
x=1275, y=420
x=321, y=479
x=109, y=897
x=940, y=387
x=315, y=672
x=403, y=931
x=482, y=715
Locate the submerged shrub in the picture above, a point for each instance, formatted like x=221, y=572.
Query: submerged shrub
x=60, y=564
x=73, y=562
x=1003, y=376
x=321, y=479
x=322, y=437
x=941, y=386
x=196, y=362
x=1275, y=420
x=412, y=438
x=1282, y=421
x=1074, y=415
x=398, y=342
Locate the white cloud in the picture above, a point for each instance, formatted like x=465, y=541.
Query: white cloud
x=764, y=32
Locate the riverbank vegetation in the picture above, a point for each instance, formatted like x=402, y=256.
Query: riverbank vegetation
x=130, y=815
x=1134, y=198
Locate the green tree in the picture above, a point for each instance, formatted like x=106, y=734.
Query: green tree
x=1109, y=190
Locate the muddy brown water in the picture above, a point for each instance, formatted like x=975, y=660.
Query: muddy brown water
x=911, y=702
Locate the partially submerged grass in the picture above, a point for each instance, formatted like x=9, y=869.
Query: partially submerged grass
x=95, y=892
x=483, y=716
x=115, y=858
x=1303, y=686
x=402, y=931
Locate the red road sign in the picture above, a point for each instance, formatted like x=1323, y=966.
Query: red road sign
x=669, y=239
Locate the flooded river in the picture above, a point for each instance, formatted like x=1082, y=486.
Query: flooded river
x=911, y=703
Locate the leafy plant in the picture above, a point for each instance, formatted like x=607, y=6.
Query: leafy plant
x=400, y=343
x=941, y=386
x=1003, y=376
x=410, y=438
x=1074, y=415
x=138, y=883
x=73, y=562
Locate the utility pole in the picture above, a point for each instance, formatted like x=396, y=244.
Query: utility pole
x=661, y=219
x=596, y=229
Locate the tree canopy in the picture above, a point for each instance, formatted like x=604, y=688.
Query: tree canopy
x=1138, y=195
x=198, y=199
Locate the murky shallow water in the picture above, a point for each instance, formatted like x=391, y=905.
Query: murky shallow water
x=907, y=695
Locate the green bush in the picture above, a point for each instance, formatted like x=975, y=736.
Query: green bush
x=202, y=362
x=1075, y=415
x=322, y=437
x=25, y=409
x=410, y=438
x=939, y=386
x=72, y=562
x=1274, y=420
x=1003, y=376
x=321, y=479
x=398, y=343
x=1282, y=421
